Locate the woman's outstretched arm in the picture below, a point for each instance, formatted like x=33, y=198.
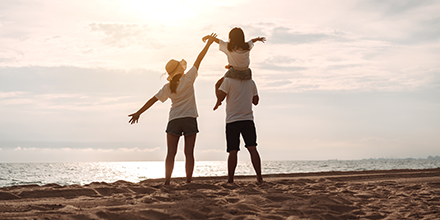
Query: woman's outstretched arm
x=135, y=116
x=205, y=50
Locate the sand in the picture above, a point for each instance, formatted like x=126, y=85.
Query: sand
x=391, y=194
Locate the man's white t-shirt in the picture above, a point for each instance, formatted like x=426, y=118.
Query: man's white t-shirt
x=183, y=102
x=238, y=58
x=239, y=99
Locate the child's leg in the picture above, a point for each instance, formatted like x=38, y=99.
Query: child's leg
x=256, y=162
x=239, y=74
x=217, y=85
x=172, y=141
x=190, y=141
x=232, y=164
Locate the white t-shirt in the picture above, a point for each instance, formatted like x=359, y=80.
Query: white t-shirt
x=238, y=58
x=239, y=98
x=183, y=102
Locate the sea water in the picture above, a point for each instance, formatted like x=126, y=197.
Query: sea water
x=86, y=172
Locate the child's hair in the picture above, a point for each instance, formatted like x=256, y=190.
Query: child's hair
x=236, y=40
x=175, y=82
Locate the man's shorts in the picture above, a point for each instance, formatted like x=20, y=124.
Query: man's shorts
x=185, y=126
x=247, y=131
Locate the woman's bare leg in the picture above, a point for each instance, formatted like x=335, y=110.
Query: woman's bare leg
x=190, y=141
x=172, y=142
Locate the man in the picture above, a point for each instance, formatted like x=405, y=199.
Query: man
x=240, y=95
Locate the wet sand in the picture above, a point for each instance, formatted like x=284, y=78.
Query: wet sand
x=390, y=194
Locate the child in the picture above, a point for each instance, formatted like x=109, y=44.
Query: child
x=240, y=95
x=237, y=52
x=183, y=112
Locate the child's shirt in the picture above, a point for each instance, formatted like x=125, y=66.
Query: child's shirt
x=183, y=102
x=239, y=99
x=238, y=59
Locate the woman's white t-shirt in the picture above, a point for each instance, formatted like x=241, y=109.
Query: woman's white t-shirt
x=183, y=102
x=237, y=58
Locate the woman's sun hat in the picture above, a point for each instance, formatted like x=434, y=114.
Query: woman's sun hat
x=172, y=68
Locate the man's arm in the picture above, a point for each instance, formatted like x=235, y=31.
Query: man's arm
x=205, y=50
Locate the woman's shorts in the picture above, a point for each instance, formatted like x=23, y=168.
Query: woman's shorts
x=185, y=126
x=247, y=131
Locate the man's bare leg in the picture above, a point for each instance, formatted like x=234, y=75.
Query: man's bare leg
x=232, y=164
x=256, y=162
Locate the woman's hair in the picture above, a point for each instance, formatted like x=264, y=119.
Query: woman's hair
x=236, y=40
x=175, y=82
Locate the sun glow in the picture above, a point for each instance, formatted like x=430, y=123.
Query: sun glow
x=165, y=11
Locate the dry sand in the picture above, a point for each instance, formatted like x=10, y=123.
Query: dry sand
x=391, y=194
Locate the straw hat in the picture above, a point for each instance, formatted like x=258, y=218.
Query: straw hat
x=172, y=68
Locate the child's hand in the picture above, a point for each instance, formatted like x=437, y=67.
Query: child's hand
x=217, y=105
x=262, y=39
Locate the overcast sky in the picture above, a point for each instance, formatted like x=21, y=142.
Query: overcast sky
x=336, y=79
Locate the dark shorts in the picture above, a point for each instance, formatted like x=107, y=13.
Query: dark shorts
x=183, y=126
x=247, y=131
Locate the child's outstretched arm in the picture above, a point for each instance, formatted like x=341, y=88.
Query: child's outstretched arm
x=135, y=116
x=262, y=39
x=205, y=50
x=209, y=36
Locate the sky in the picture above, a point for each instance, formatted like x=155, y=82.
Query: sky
x=340, y=80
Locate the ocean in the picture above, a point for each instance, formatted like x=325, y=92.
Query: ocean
x=86, y=172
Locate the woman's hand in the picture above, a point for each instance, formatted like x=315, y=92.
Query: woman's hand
x=205, y=38
x=134, y=118
x=210, y=38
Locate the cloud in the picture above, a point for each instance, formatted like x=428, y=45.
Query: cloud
x=284, y=35
x=121, y=34
x=393, y=8
x=4, y=95
x=281, y=63
x=32, y=154
x=88, y=150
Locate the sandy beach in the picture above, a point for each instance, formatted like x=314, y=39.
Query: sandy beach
x=390, y=194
